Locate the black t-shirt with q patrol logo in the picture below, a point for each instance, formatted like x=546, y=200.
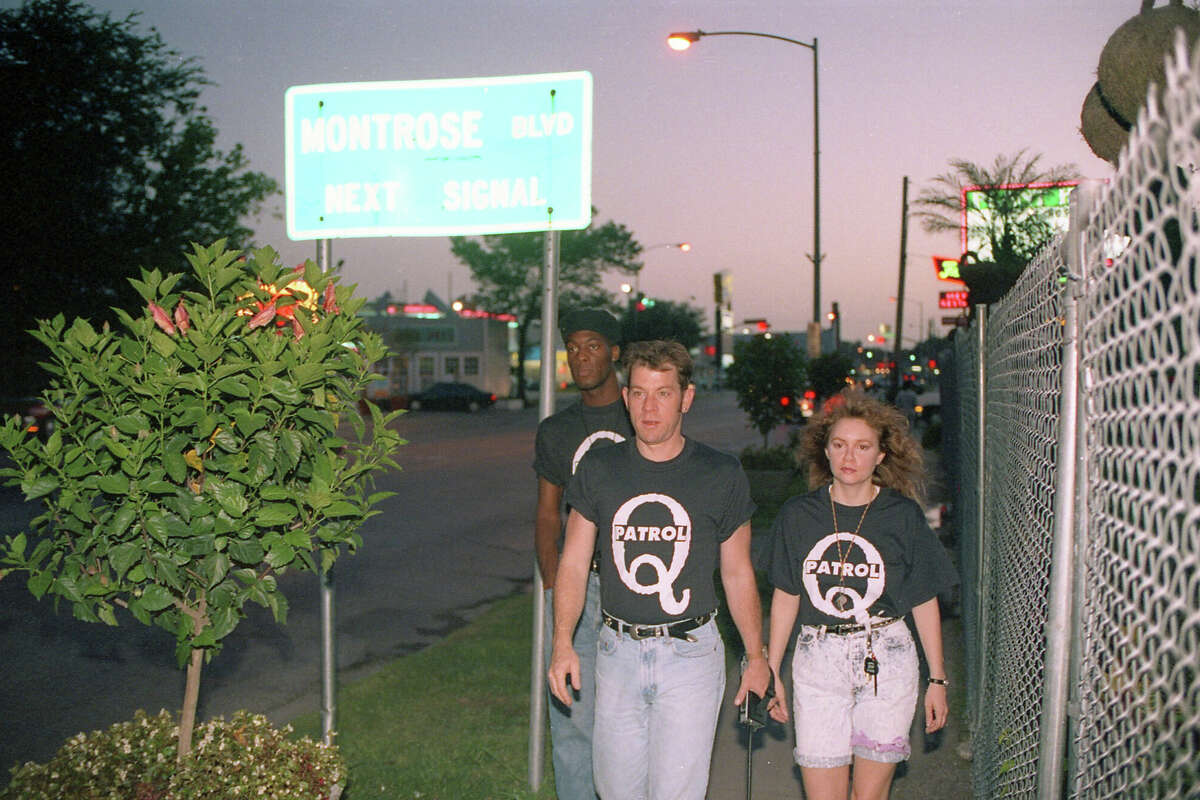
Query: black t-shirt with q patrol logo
x=659, y=526
x=893, y=563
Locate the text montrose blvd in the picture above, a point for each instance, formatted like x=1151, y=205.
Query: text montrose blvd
x=450, y=130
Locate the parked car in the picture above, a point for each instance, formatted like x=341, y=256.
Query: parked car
x=451, y=397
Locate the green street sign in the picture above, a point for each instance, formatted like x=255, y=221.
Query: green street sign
x=452, y=157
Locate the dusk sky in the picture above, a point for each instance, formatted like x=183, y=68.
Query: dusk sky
x=713, y=145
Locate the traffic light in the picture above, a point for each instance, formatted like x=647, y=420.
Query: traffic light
x=833, y=313
x=643, y=302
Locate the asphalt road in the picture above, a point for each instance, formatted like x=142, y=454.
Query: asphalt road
x=457, y=535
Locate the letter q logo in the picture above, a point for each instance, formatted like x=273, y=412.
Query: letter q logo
x=664, y=576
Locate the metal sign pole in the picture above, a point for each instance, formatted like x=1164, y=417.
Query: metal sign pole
x=537, y=682
x=328, y=643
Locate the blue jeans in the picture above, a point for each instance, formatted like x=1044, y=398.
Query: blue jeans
x=571, y=728
x=656, y=714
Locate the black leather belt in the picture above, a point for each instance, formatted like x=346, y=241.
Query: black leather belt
x=845, y=630
x=675, y=630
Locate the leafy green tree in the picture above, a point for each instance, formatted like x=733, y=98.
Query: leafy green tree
x=1014, y=231
x=665, y=319
x=110, y=162
x=766, y=370
x=202, y=448
x=507, y=269
x=827, y=373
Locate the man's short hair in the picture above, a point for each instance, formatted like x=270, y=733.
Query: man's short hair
x=659, y=354
x=596, y=320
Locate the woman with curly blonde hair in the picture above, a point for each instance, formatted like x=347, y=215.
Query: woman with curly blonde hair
x=902, y=469
x=851, y=558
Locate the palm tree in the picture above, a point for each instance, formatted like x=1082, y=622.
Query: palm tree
x=1017, y=226
x=1015, y=229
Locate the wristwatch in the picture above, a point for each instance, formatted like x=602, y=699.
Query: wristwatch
x=939, y=681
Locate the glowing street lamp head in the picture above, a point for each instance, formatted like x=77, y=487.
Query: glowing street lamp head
x=682, y=41
x=685, y=246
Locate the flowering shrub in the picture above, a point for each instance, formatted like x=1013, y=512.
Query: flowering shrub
x=201, y=452
x=137, y=760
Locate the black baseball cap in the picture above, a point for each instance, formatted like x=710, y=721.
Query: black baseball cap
x=590, y=319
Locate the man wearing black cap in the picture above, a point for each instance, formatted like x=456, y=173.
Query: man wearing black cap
x=599, y=419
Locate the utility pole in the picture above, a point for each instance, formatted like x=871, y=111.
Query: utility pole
x=899, y=344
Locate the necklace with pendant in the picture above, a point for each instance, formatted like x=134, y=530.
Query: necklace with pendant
x=841, y=602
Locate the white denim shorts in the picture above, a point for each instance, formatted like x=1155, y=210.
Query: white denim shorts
x=838, y=710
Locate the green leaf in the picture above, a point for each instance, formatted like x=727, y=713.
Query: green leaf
x=84, y=333
x=105, y=612
x=298, y=538
x=39, y=582
x=273, y=492
x=116, y=448
x=114, y=483
x=216, y=567
x=139, y=612
x=247, y=551
x=341, y=508
x=284, y=391
x=230, y=497
x=16, y=545
x=281, y=554
x=232, y=386
x=132, y=423
x=120, y=521
x=227, y=441
x=275, y=514
x=290, y=446
x=156, y=526
x=307, y=374
x=66, y=586
x=279, y=607
x=163, y=344
x=223, y=621
x=123, y=556
x=38, y=487
x=248, y=423
x=156, y=598
x=172, y=456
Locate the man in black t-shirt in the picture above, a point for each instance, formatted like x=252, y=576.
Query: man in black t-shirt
x=598, y=420
x=665, y=512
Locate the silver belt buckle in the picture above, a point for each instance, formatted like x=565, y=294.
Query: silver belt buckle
x=639, y=632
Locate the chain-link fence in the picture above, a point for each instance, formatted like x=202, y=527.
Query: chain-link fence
x=1077, y=443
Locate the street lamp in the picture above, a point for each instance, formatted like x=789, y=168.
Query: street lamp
x=682, y=41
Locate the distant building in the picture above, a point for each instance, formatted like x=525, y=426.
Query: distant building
x=430, y=342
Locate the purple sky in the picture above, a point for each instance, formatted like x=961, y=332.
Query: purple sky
x=712, y=146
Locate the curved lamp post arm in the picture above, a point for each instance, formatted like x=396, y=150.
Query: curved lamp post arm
x=685, y=39
x=688, y=37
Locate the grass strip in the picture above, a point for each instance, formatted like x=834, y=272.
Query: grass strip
x=450, y=722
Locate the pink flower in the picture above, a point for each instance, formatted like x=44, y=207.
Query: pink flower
x=263, y=317
x=181, y=318
x=330, y=305
x=297, y=329
x=161, y=319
